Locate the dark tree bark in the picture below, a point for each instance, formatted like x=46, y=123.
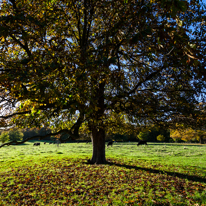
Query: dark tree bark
x=201, y=140
x=98, y=142
x=98, y=130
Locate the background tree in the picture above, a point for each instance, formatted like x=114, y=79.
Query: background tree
x=155, y=130
x=4, y=137
x=201, y=136
x=12, y=135
x=188, y=134
x=74, y=62
x=195, y=131
x=29, y=132
x=15, y=135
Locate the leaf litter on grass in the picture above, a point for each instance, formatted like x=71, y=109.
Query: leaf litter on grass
x=120, y=182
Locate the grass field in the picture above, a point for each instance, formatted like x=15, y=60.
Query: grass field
x=157, y=174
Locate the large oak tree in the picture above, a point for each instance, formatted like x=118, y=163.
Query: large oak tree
x=67, y=63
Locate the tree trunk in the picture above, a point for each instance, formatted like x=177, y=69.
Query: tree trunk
x=97, y=129
x=201, y=140
x=98, y=142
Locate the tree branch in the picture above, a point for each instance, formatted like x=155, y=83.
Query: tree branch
x=25, y=47
x=17, y=113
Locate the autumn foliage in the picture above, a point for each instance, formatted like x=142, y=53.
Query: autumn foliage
x=69, y=63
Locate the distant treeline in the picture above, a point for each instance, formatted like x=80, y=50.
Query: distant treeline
x=150, y=136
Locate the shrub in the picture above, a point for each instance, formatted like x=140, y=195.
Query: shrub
x=161, y=138
x=143, y=136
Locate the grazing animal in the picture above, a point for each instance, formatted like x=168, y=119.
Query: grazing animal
x=44, y=142
x=110, y=143
x=36, y=144
x=50, y=143
x=142, y=142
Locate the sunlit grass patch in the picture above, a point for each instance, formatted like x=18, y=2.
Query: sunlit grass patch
x=157, y=174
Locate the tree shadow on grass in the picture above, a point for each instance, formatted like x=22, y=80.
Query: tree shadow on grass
x=174, y=174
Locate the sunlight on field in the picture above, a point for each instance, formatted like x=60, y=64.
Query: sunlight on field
x=167, y=153
x=159, y=173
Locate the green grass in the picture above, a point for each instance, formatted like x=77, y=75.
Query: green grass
x=157, y=174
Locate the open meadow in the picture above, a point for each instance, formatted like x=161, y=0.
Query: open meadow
x=157, y=174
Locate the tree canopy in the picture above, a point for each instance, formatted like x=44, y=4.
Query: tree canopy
x=83, y=62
